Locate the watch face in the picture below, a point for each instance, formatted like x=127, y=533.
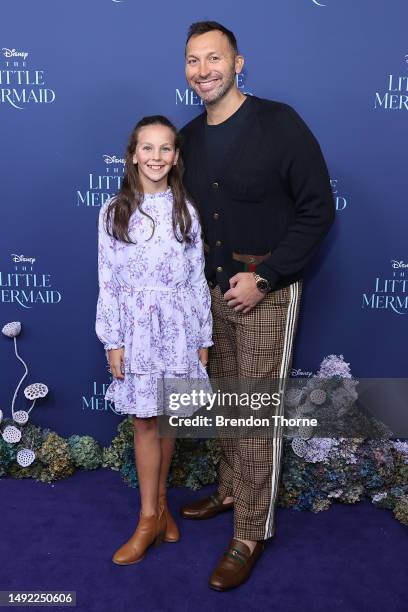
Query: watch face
x=263, y=285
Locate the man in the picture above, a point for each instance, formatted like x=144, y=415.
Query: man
x=262, y=188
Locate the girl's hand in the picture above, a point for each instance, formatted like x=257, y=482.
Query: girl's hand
x=116, y=362
x=203, y=356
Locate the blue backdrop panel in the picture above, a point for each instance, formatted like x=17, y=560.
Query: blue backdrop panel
x=75, y=78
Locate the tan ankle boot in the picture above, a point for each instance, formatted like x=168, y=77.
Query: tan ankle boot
x=172, y=533
x=150, y=530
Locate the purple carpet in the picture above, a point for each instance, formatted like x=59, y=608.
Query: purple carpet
x=62, y=537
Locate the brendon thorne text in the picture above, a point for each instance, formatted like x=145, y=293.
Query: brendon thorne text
x=250, y=421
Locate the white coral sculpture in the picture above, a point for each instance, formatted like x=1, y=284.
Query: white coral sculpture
x=33, y=392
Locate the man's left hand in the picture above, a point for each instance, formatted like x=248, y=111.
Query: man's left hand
x=243, y=294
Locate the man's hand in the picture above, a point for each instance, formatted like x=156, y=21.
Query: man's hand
x=243, y=294
x=116, y=361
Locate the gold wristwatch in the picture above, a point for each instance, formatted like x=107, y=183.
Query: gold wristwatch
x=262, y=283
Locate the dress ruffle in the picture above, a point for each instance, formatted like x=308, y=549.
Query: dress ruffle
x=147, y=395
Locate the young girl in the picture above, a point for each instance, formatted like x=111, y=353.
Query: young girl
x=153, y=312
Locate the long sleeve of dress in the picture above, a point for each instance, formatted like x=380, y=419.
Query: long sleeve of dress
x=107, y=324
x=195, y=254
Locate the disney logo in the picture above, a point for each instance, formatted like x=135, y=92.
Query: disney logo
x=299, y=372
x=14, y=53
x=21, y=258
x=398, y=264
x=112, y=159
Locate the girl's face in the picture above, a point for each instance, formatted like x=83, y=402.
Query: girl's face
x=155, y=155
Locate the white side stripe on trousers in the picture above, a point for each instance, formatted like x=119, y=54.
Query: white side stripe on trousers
x=277, y=439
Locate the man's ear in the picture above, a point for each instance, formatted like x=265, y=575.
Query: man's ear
x=239, y=63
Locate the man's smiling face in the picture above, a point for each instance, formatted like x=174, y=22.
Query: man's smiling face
x=211, y=65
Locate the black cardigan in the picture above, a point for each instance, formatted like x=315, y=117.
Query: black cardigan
x=273, y=195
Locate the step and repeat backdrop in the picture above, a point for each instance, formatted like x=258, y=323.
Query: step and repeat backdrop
x=75, y=77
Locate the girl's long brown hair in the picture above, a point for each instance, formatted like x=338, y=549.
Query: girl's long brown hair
x=130, y=196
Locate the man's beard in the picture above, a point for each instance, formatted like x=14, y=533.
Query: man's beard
x=225, y=88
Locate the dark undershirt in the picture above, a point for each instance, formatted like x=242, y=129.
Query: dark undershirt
x=220, y=138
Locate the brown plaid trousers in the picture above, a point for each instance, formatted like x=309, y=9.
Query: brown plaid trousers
x=257, y=344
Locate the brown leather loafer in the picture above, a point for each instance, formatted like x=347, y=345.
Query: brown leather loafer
x=235, y=566
x=205, y=508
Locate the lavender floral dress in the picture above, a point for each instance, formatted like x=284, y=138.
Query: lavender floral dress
x=154, y=301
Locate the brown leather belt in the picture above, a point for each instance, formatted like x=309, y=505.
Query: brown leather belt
x=250, y=261
x=244, y=258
